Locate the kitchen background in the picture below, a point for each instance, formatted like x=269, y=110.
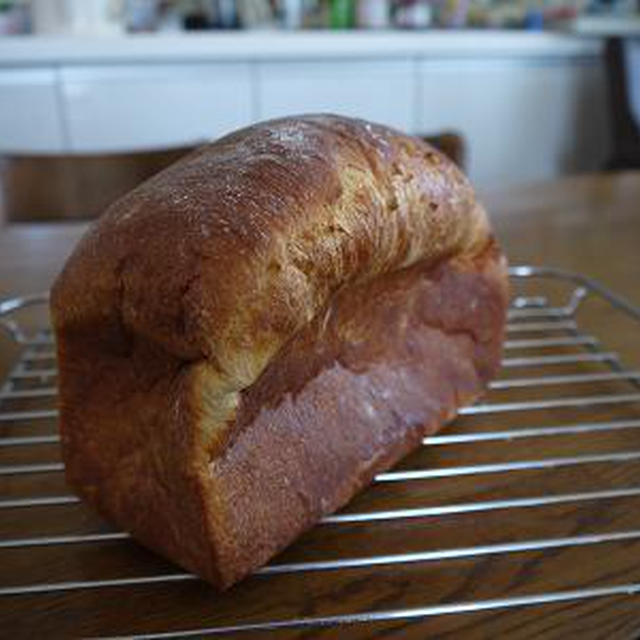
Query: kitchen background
x=524, y=84
x=524, y=520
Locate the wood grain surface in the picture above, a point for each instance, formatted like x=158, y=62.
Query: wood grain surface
x=589, y=224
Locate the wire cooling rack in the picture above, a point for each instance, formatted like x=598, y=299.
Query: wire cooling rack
x=521, y=519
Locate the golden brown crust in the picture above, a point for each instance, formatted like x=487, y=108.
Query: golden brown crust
x=233, y=314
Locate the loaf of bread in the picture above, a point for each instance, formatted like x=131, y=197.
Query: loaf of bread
x=248, y=337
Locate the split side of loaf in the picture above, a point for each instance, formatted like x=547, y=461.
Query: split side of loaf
x=248, y=337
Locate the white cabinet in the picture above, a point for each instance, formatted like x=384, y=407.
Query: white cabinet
x=522, y=119
x=378, y=90
x=145, y=106
x=525, y=116
x=30, y=117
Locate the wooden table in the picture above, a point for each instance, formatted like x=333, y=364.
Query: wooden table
x=587, y=224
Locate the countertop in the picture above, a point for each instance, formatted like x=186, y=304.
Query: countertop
x=283, y=45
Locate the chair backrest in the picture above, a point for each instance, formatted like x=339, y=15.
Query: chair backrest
x=622, y=57
x=451, y=144
x=74, y=187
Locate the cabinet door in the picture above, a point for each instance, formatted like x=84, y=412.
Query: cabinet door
x=30, y=119
x=522, y=119
x=378, y=90
x=120, y=108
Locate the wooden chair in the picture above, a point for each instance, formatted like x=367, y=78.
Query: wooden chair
x=80, y=187
x=73, y=187
x=625, y=128
x=451, y=144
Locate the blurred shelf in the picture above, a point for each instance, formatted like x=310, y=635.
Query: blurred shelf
x=607, y=26
x=278, y=45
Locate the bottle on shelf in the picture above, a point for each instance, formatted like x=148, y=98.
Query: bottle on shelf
x=292, y=13
x=413, y=14
x=341, y=14
x=373, y=14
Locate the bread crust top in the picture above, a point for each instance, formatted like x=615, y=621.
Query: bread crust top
x=230, y=251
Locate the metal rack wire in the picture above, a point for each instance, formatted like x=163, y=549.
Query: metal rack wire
x=544, y=339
